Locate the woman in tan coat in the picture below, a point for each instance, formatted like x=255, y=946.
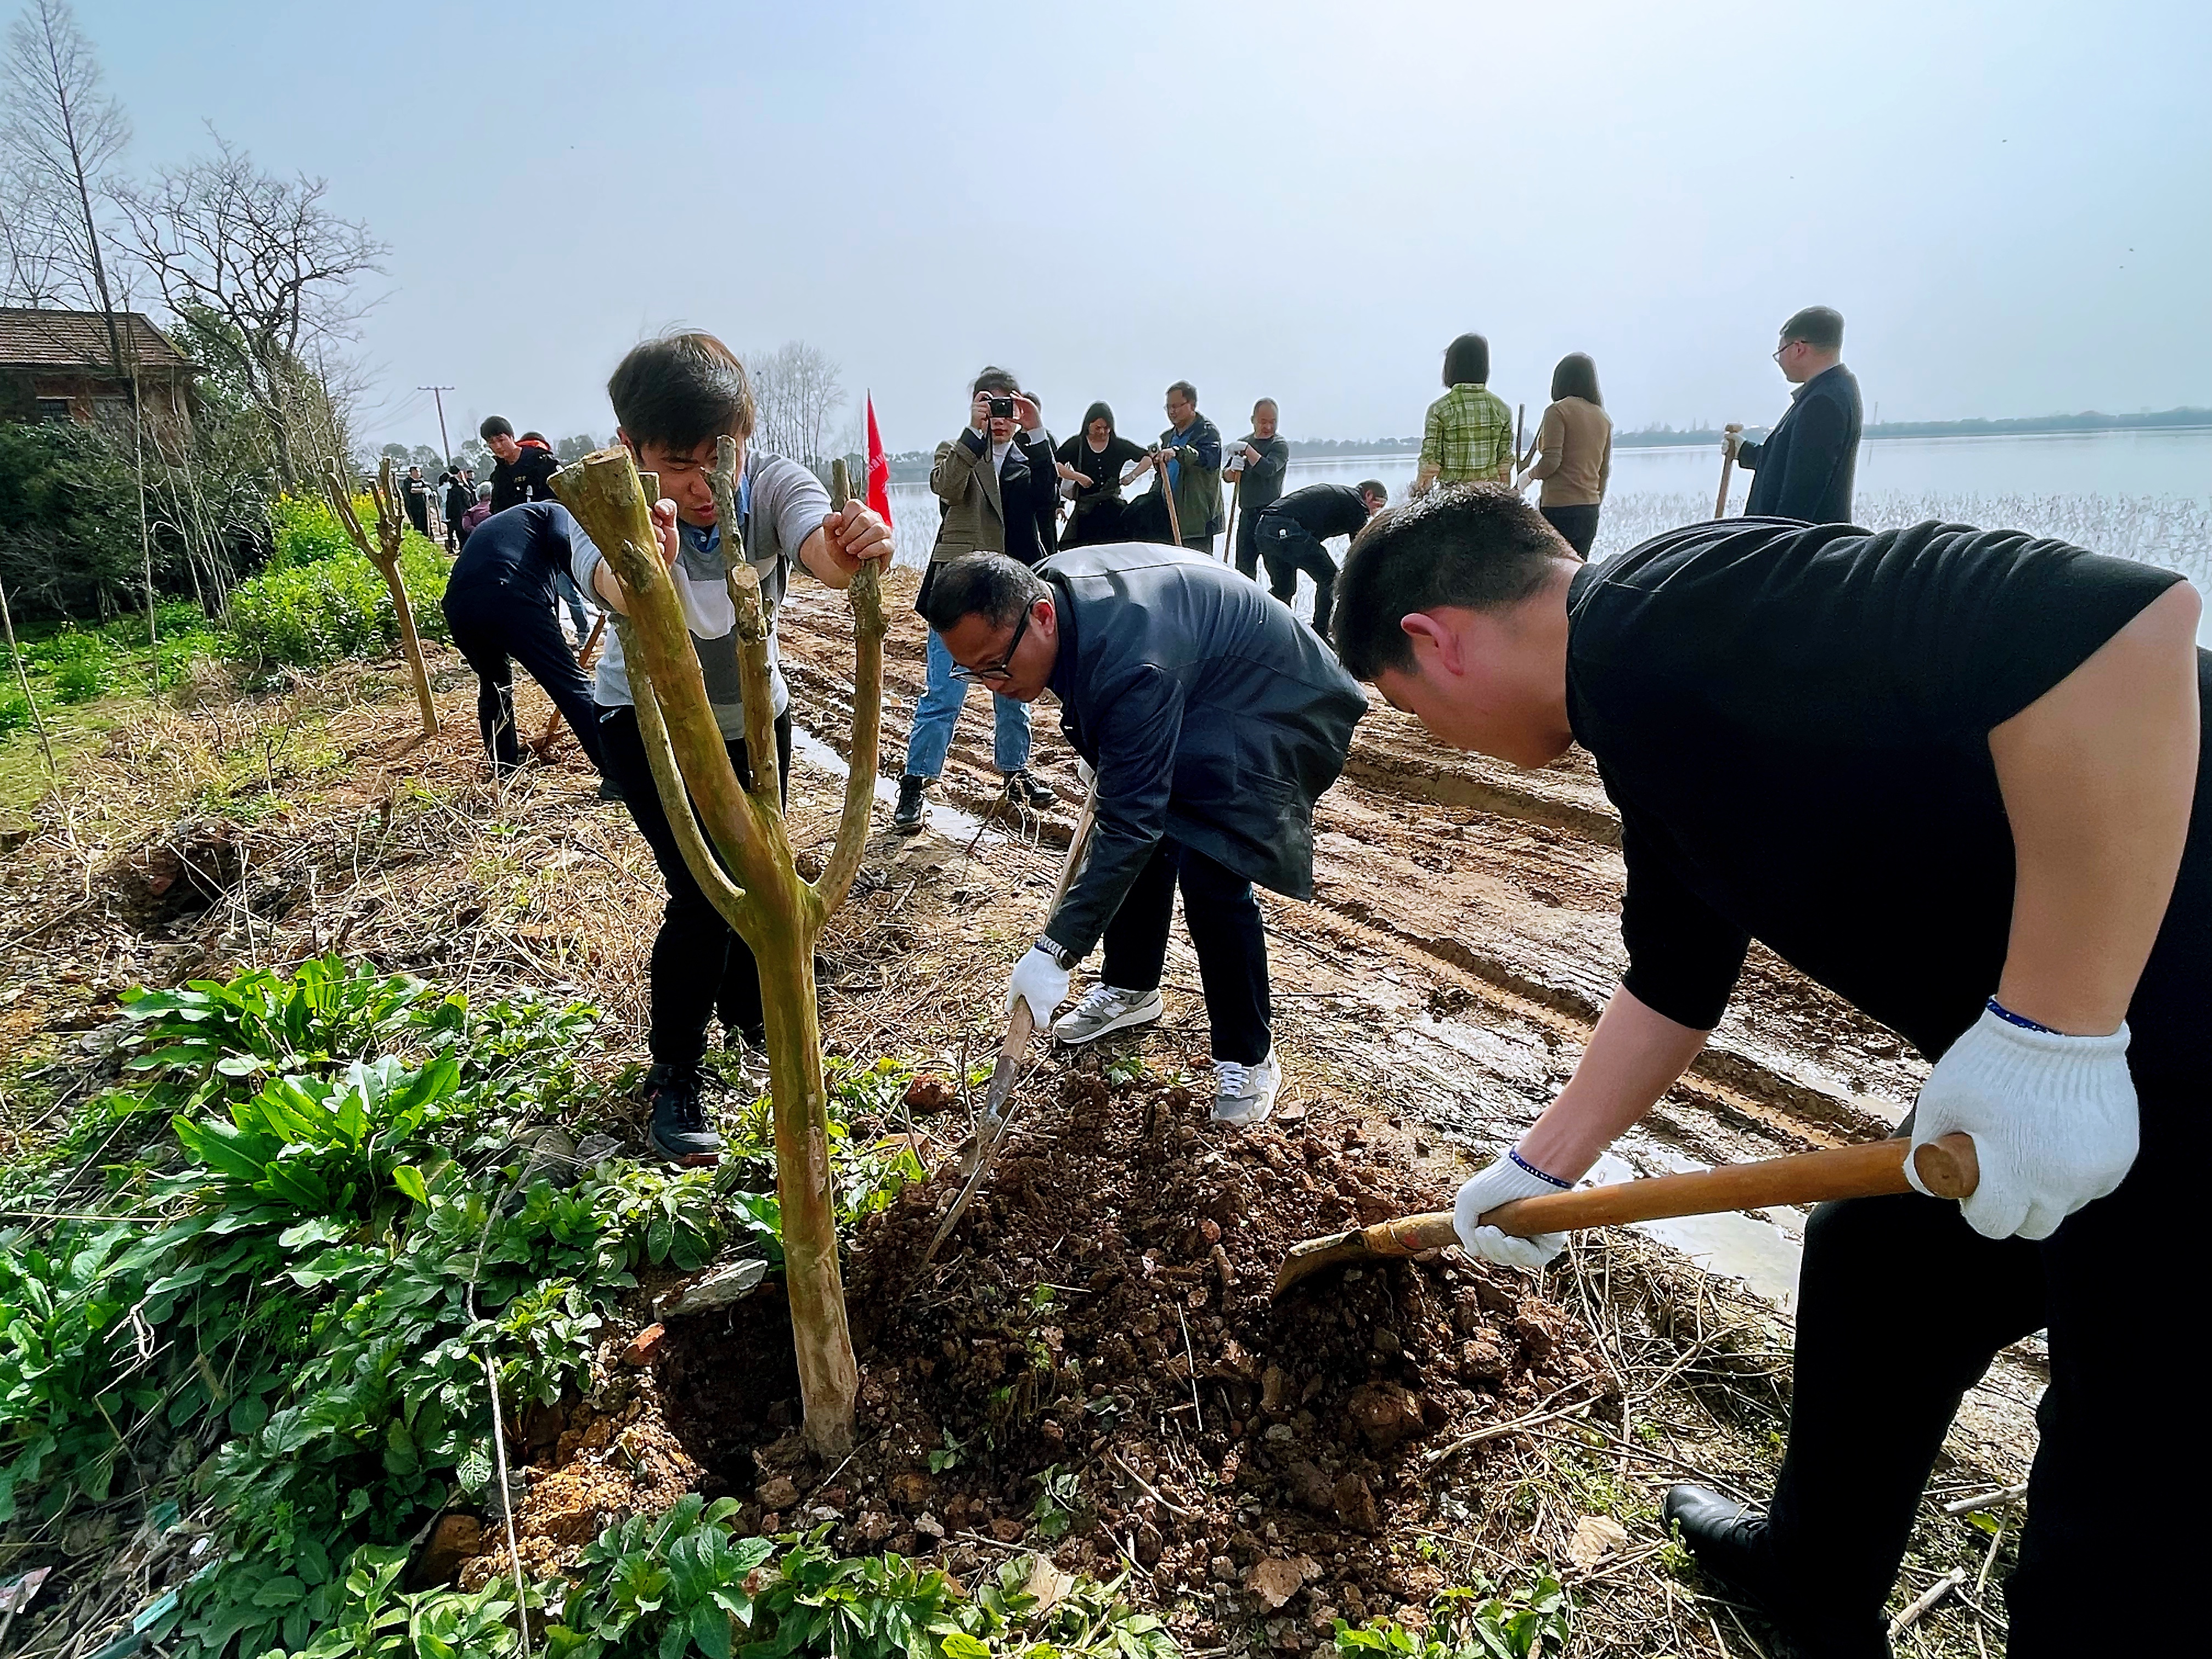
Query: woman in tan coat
x=1574, y=452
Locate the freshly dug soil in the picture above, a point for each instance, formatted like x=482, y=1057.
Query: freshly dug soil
x=1104, y=1313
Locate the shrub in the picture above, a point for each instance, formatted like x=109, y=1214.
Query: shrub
x=335, y=606
x=15, y=712
x=306, y=531
x=79, y=665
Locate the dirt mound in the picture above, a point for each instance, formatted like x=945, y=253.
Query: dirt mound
x=1096, y=1365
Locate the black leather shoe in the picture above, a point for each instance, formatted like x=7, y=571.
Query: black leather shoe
x=1024, y=790
x=913, y=805
x=679, y=1132
x=1734, y=1544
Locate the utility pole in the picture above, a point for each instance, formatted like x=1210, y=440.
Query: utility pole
x=438, y=396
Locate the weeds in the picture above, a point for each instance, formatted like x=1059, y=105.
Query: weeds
x=1474, y=1621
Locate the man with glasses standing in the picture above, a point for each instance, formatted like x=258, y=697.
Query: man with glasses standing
x=1214, y=721
x=1803, y=470
x=1000, y=491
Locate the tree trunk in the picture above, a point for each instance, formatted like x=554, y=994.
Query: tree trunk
x=759, y=893
x=384, y=554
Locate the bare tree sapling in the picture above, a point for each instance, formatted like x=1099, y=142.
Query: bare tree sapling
x=753, y=882
x=384, y=554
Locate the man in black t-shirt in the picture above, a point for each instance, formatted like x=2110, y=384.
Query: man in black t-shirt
x=1290, y=531
x=499, y=603
x=1950, y=774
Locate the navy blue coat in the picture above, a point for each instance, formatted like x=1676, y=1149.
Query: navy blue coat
x=1213, y=716
x=1804, y=471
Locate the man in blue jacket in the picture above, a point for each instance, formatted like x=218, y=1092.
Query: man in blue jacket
x=1803, y=470
x=1214, y=721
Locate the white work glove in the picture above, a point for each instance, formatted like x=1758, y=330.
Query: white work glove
x=1041, y=982
x=1501, y=1183
x=1085, y=773
x=2053, y=1119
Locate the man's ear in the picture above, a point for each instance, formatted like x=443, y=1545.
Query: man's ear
x=1421, y=626
x=627, y=442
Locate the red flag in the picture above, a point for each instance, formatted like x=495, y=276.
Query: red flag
x=879, y=467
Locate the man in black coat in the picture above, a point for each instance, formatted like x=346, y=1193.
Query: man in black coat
x=1803, y=470
x=525, y=467
x=1291, y=533
x=460, y=495
x=1213, y=722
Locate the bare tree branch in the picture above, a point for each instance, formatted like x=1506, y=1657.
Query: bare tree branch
x=60, y=132
x=265, y=260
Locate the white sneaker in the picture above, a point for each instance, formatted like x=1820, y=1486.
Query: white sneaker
x=1245, y=1094
x=1104, y=1009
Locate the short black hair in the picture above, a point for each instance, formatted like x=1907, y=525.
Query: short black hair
x=495, y=426
x=679, y=391
x=1819, y=326
x=1481, y=546
x=989, y=585
x=1375, y=486
x=1188, y=391
x=1466, y=360
x=1576, y=377
x=994, y=379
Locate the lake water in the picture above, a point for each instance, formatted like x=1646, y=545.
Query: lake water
x=2141, y=495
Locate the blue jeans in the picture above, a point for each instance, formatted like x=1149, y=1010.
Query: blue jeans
x=940, y=708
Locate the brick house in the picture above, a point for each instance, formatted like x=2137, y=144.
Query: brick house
x=56, y=366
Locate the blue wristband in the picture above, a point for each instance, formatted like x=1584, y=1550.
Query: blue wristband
x=2020, y=1020
x=1514, y=1153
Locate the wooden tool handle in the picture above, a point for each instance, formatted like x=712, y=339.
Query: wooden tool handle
x=1728, y=466
x=1873, y=1170
x=1876, y=1170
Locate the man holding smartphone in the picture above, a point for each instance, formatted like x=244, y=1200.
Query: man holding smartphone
x=1000, y=494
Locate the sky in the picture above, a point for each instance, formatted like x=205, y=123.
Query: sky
x=2011, y=204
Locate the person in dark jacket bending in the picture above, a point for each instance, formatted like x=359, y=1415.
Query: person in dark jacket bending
x=1290, y=533
x=1803, y=470
x=499, y=603
x=1213, y=722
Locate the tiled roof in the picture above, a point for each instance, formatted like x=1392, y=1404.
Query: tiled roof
x=78, y=339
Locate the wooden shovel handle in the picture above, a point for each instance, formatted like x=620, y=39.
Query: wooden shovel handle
x=1874, y=1171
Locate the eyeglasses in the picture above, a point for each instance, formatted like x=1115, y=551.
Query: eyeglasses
x=1004, y=668
x=1780, y=350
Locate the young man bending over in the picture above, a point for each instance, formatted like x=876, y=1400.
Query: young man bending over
x=1950, y=774
x=673, y=398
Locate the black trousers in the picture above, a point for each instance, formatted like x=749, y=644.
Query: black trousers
x=1248, y=543
x=1901, y=1307
x=700, y=968
x=1577, y=524
x=1223, y=919
x=1289, y=548
x=495, y=626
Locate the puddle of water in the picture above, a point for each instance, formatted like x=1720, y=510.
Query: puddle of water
x=1479, y=1064
x=1730, y=1246
x=949, y=821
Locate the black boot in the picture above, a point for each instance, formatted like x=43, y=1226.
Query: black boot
x=1734, y=1544
x=679, y=1132
x=1024, y=790
x=913, y=805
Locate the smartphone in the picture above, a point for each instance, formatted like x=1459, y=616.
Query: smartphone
x=1002, y=408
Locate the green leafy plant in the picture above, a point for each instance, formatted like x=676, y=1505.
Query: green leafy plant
x=1472, y=1621
x=1059, y=1497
